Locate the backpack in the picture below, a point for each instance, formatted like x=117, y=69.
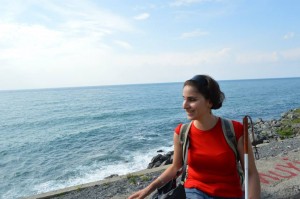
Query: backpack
x=229, y=135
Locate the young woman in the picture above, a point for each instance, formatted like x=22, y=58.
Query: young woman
x=212, y=166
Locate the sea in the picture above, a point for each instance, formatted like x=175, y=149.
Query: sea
x=55, y=138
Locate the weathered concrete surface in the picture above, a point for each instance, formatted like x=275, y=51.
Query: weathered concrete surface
x=280, y=176
x=75, y=191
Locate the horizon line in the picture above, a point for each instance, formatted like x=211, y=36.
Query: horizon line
x=132, y=84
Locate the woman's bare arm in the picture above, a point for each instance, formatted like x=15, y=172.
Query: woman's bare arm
x=167, y=175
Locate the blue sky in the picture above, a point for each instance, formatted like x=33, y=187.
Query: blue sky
x=66, y=43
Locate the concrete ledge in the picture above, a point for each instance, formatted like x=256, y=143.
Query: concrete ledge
x=59, y=192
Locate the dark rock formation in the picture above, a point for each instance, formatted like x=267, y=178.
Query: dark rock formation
x=160, y=160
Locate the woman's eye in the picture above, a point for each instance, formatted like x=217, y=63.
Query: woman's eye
x=190, y=99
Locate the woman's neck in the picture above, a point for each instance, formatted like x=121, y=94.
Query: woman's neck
x=206, y=123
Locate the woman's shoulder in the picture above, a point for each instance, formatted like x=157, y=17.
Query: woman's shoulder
x=237, y=123
x=177, y=129
x=238, y=128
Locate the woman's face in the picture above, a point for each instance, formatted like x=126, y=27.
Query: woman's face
x=194, y=103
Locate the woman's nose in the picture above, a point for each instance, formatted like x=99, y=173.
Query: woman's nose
x=185, y=104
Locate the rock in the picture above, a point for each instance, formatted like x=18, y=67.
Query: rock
x=170, y=153
x=160, y=160
x=256, y=142
x=111, y=176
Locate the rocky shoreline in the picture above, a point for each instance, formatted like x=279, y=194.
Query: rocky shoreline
x=277, y=139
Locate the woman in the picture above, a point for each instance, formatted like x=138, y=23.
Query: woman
x=212, y=167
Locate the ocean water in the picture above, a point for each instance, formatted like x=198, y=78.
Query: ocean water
x=55, y=138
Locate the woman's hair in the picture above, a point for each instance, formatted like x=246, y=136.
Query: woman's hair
x=209, y=88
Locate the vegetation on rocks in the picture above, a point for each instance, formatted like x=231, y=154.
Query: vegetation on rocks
x=290, y=124
x=132, y=178
x=136, y=179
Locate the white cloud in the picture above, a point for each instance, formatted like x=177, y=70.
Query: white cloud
x=28, y=41
x=68, y=66
x=187, y=2
x=195, y=33
x=14, y=35
x=289, y=35
x=36, y=56
x=123, y=44
x=268, y=57
x=172, y=59
x=89, y=17
x=70, y=51
x=142, y=16
x=257, y=57
x=91, y=66
x=291, y=54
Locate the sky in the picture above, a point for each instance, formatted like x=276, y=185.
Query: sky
x=70, y=43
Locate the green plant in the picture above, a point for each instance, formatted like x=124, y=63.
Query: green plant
x=132, y=179
x=297, y=111
x=61, y=194
x=286, y=132
x=296, y=121
x=106, y=184
x=145, y=178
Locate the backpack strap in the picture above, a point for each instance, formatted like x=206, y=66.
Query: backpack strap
x=184, y=141
x=229, y=135
x=184, y=132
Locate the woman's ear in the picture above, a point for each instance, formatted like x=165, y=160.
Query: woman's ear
x=209, y=104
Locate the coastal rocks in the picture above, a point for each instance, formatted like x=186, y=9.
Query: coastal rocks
x=111, y=176
x=286, y=127
x=268, y=137
x=161, y=160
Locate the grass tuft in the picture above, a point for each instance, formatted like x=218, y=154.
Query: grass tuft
x=132, y=178
x=286, y=132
